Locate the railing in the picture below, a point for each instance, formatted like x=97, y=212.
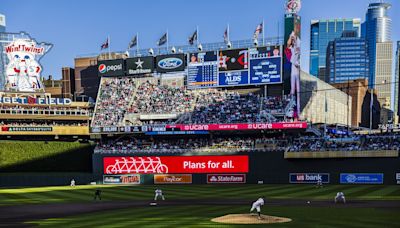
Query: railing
x=188, y=151
x=193, y=48
x=73, y=112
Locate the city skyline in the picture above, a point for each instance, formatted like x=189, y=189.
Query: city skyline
x=177, y=17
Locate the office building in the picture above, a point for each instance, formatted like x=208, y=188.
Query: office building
x=2, y=23
x=68, y=82
x=396, y=84
x=347, y=58
x=377, y=30
x=322, y=32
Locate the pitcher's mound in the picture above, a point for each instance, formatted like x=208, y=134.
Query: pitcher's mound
x=249, y=219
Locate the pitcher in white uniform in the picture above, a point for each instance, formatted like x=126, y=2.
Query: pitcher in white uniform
x=257, y=206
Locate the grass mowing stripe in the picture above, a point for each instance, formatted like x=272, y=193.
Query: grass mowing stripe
x=385, y=191
x=313, y=192
x=282, y=192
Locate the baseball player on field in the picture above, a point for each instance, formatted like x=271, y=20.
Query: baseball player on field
x=257, y=205
x=340, y=197
x=158, y=194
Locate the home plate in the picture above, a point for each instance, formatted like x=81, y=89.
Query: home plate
x=249, y=219
x=153, y=204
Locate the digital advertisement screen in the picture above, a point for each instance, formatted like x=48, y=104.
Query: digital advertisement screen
x=176, y=164
x=140, y=65
x=170, y=63
x=111, y=68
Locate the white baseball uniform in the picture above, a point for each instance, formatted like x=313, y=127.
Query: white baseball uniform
x=340, y=197
x=159, y=194
x=257, y=205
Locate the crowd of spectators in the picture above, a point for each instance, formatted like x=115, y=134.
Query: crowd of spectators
x=43, y=124
x=119, y=96
x=226, y=107
x=113, y=100
x=161, y=99
x=184, y=145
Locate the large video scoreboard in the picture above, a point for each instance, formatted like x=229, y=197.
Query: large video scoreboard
x=236, y=67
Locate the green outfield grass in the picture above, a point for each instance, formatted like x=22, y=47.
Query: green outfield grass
x=200, y=215
x=84, y=193
x=36, y=156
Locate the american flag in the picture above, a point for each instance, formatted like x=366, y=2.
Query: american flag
x=259, y=30
x=104, y=45
x=226, y=38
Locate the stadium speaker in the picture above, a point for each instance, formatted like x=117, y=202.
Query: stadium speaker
x=173, y=50
x=229, y=45
x=151, y=51
x=200, y=47
x=255, y=42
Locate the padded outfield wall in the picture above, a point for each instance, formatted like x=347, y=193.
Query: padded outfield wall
x=273, y=168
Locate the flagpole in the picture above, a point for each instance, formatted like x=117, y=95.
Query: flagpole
x=109, y=44
x=137, y=43
x=229, y=37
x=167, y=41
x=198, y=35
x=263, y=33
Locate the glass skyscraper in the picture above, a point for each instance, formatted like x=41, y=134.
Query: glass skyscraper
x=397, y=82
x=347, y=58
x=377, y=30
x=322, y=32
x=2, y=23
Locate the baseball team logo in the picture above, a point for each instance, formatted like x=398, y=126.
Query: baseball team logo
x=102, y=68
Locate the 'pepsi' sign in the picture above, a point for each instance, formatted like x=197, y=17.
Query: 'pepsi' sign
x=170, y=63
x=111, y=68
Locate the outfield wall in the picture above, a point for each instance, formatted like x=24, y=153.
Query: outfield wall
x=273, y=168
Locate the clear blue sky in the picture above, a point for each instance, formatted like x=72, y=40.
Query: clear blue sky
x=80, y=26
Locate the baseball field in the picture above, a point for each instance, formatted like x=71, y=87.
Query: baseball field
x=196, y=205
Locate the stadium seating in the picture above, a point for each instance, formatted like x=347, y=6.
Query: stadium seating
x=120, y=97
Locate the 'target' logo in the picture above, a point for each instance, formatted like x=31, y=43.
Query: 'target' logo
x=102, y=68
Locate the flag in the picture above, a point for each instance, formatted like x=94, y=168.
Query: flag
x=133, y=42
x=162, y=40
x=104, y=45
x=259, y=30
x=193, y=38
x=226, y=38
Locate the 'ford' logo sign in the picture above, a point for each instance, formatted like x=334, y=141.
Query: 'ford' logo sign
x=170, y=63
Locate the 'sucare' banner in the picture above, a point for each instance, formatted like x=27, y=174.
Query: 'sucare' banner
x=176, y=164
x=230, y=127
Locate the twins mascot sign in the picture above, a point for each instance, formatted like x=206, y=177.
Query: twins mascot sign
x=23, y=69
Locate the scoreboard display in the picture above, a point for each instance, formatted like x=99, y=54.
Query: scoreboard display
x=202, y=70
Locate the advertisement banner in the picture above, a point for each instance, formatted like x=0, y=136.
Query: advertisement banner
x=233, y=78
x=226, y=178
x=23, y=70
x=233, y=60
x=170, y=63
x=176, y=164
x=231, y=127
x=308, y=178
x=111, y=68
x=172, y=178
x=291, y=56
x=265, y=70
x=20, y=129
x=140, y=65
x=361, y=178
x=121, y=179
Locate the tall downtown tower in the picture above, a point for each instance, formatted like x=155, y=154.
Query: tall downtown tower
x=377, y=30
